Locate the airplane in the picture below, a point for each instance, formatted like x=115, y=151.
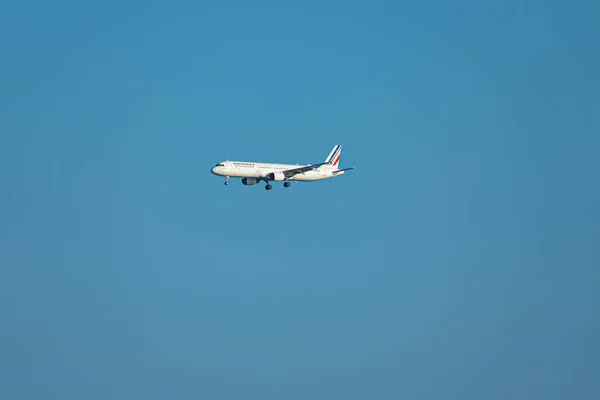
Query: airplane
x=254, y=172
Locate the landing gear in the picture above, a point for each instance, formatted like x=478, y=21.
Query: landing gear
x=227, y=180
x=287, y=184
x=268, y=187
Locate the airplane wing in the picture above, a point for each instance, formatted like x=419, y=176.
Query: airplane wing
x=288, y=173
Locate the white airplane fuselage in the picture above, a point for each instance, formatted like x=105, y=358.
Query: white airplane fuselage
x=264, y=171
x=254, y=172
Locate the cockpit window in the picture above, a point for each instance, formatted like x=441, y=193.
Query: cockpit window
x=220, y=165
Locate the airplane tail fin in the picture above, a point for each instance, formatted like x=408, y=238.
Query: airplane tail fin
x=334, y=157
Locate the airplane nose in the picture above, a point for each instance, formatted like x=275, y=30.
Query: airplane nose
x=213, y=170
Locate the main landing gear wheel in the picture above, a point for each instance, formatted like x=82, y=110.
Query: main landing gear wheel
x=268, y=187
x=287, y=184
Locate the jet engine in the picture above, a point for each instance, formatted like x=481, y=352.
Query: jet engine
x=249, y=181
x=276, y=176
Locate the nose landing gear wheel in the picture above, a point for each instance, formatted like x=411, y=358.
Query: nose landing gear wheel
x=287, y=184
x=227, y=180
x=268, y=187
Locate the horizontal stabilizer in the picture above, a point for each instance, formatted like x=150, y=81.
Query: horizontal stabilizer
x=341, y=170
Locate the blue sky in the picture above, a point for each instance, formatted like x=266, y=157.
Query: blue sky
x=459, y=260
